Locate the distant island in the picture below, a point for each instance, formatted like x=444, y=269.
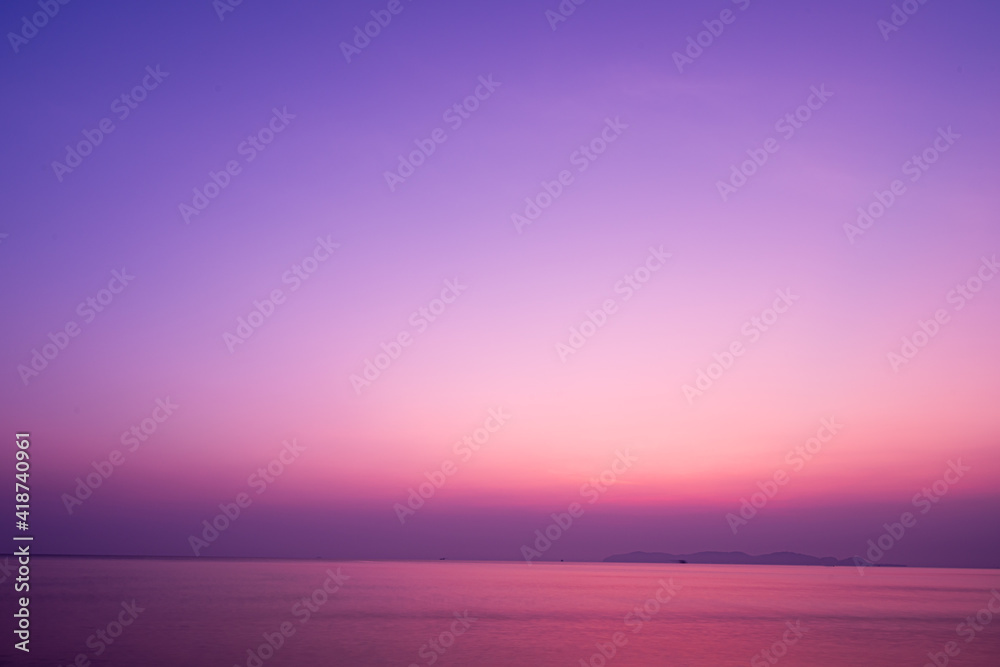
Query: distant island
x=735, y=558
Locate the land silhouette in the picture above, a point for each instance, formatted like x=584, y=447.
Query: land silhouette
x=737, y=558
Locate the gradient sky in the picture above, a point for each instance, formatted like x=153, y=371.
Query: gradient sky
x=495, y=346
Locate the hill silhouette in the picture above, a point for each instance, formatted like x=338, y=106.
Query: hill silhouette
x=735, y=558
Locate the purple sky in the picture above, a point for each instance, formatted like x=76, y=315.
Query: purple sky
x=398, y=312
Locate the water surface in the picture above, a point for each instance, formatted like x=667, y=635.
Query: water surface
x=198, y=613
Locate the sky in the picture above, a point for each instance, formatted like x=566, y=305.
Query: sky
x=669, y=244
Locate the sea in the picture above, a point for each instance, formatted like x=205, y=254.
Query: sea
x=138, y=612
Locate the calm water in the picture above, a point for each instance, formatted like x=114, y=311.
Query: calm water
x=195, y=613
